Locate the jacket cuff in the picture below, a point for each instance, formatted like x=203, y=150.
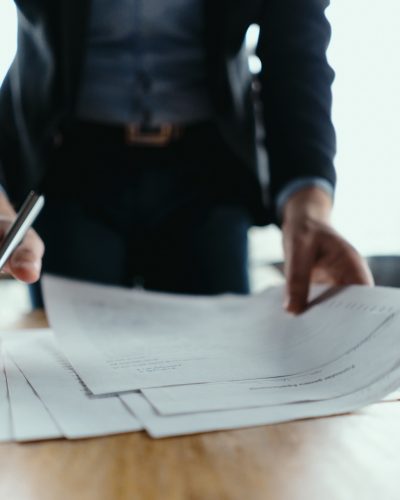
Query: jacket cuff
x=297, y=185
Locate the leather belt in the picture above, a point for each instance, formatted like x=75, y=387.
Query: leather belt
x=152, y=136
x=124, y=134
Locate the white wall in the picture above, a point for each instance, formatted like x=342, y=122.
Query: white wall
x=364, y=53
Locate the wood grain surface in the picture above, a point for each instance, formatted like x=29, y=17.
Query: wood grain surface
x=346, y=457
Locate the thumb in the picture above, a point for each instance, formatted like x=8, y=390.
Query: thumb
x=26, y=262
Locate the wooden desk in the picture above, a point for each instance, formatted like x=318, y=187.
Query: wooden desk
x=352, y=457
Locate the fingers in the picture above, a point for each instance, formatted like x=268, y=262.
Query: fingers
x=26, y=261
x=316, y=252
x=299, y=262
x=341, y=264
x=359, y=273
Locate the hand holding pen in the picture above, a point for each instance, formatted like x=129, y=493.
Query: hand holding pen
x=21, y=249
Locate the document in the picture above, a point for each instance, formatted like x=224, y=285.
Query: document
x=77, y=414
x=121, y=340
x=159, y=426
x=361, y=366
x=30, y=418
x=394, y=396
x=5, y=413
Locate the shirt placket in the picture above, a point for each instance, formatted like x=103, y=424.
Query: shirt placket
x=142, y=79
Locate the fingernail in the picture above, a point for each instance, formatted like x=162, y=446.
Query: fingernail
x=26, y=264
x=292, y=307
x=286, y=302
x=290, y=310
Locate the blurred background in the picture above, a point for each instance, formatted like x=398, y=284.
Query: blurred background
x=366, y=112
x=366, y=91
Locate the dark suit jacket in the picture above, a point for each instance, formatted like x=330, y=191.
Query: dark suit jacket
x=40, y=90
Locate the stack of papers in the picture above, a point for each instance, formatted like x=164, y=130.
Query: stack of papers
x=119, y=360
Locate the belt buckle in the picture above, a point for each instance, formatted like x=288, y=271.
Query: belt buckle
x=135, y=134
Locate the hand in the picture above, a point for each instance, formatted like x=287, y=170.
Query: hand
x=26, y=261
x=314, y=251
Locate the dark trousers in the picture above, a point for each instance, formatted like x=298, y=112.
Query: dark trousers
x=169, y=219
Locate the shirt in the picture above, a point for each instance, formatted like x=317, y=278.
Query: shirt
x=145, y=63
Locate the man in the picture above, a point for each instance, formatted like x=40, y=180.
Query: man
x=138, y=120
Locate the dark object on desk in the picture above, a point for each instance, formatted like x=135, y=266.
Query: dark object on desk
x=385, y=269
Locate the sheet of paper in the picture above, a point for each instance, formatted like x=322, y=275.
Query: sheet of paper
x=175, y=425
x=393, y=396
x=77, y=413
x=358, y=368
x=119, y=340
x=30, y=418
x=6, y=433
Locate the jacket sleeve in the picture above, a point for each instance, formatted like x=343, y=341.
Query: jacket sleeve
x=295, y=93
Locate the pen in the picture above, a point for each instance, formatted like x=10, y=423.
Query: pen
x=25, y=218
